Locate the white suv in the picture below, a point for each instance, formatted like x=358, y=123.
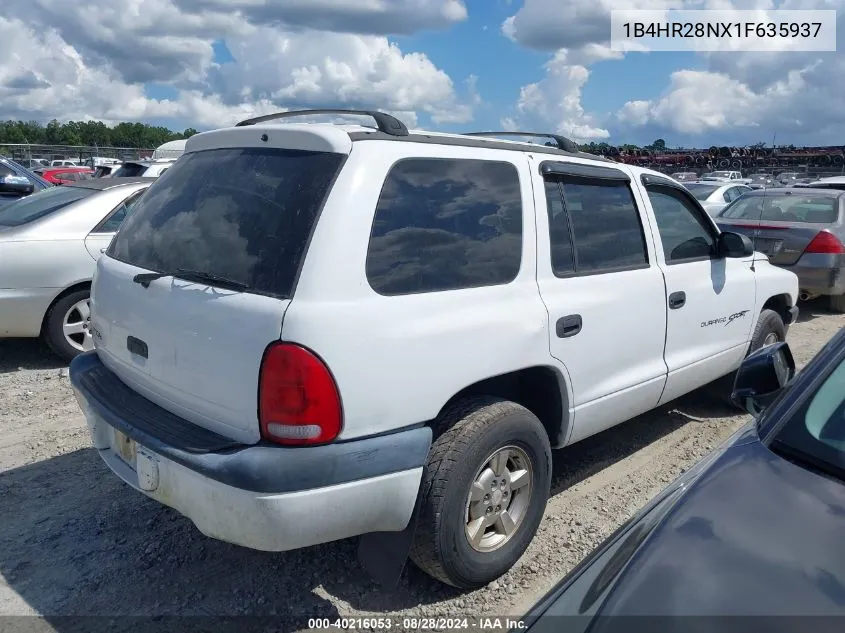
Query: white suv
x=358, y=331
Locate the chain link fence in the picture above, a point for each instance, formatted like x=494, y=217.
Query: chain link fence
x=77, y=153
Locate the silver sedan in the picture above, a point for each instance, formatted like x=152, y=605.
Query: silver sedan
x=49, y=244
x=715, y=196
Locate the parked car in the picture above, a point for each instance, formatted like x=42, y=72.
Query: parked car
x=834, y=182
x=241, y=322
x=105, y=171
x=715, y=196
x=754, y=529
x=49, y=242
x=800, y=230
x=34, y=163
x=761, y=181
x=64, y=162
x=685, y=176
x=786, y=178
x=725, y=176
x=64, y=175
x=144, y=168
x=16, y=182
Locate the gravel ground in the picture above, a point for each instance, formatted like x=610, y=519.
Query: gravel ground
x=74, y=540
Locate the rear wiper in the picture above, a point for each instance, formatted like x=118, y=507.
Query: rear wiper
x=191, y=275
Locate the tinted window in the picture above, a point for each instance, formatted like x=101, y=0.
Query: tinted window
x=129, y=170
x=560, y=238
x=606, y=225
x=701, y=192
x=243, y=214
x=785, y=208
x=41, y=204
x=6, y=171
x=119, y=214
x=445, y=224
x=681, y=228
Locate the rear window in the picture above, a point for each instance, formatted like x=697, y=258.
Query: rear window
x=243, y=214
x=443, y=224
x=785, y=208
x=129, y=170
x=41, y=204
x=702, y=192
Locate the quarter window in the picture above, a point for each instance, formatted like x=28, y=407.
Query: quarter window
x=443, y=224
x=682, y=231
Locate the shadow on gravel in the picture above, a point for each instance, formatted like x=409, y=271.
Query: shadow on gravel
x=25, y=353
x=74, y=540
x=810, y=310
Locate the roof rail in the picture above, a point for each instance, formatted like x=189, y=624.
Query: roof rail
x=386, y=123
x=567, y=145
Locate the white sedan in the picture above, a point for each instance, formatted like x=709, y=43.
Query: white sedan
x=49, y=244
x=714, y=196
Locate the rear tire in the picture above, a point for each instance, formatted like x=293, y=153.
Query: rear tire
x=68, y=310
x=837, y=303
x=770, y=329
x=463, y=537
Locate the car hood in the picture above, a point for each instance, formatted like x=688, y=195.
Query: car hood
x=753, y=534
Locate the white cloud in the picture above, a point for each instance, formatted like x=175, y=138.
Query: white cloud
x=743, y=95
x=94, y=61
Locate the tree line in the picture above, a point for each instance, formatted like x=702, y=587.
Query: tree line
x=91, y=133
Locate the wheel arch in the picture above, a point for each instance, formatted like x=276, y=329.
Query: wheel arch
x=81, y=285
x=541, y=389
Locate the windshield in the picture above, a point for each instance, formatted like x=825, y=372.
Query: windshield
x=760, y=177
x=41, y=204
x=820, y=209
x=817, y=430
x=701, y=192
x=130, y=170
x=249, y=223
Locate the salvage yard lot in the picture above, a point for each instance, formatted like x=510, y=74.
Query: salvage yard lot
x=74, y=540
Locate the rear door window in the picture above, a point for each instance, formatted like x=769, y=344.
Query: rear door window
x=41, y=204
x=244, y=214
x=444, y=224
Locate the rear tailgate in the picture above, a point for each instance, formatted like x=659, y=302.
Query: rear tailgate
x=225, y=228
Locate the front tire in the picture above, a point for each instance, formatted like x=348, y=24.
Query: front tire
x=67, y=326
x=486, y=488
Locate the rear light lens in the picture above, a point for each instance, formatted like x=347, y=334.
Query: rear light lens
x=298, y=400
x=825, y=242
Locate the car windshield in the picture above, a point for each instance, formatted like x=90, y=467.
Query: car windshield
x=41, y=204
x=816, y=432
x=701, y=192
x=130, y=170
x=818, y=209
x=759, y=177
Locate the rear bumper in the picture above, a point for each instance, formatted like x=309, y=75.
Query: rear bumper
x=22, y=310
x=259, y=496
x=820, y=274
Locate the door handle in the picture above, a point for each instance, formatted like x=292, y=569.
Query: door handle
x=568, y=326
x=677, y=300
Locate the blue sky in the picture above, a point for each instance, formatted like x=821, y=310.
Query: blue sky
x=451, y=65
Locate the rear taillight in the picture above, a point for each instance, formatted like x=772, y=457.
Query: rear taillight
x=825, y=242
x=298, y=401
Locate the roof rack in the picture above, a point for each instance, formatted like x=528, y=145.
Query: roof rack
x=563, y=143
x=384, y=122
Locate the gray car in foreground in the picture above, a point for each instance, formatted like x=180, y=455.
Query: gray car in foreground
x=754, y=529
x=49, y=245
x=799, y=229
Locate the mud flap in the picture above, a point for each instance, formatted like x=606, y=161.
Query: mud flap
x=383, y=555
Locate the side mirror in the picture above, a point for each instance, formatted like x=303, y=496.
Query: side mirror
x=762, y=376
x=734, y=245
x=16, y=185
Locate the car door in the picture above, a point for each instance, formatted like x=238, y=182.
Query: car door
x=603, y=290
x=99, y=238
x=709, y=299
